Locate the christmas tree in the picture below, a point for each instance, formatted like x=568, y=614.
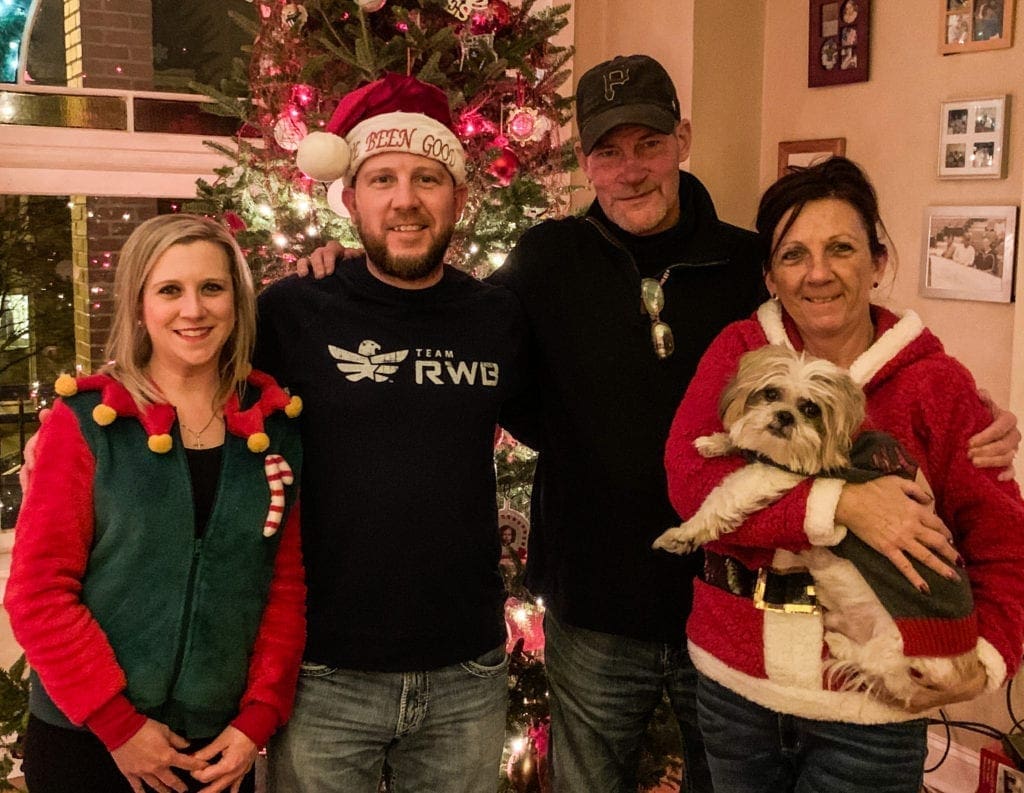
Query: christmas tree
x=495, y=61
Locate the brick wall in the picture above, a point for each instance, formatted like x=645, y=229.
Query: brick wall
x=109, y=43
x=100, y=227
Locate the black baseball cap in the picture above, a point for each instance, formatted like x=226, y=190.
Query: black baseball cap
x=628, y=89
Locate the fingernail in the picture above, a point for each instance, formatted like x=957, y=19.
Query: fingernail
x=960, y=561
x=923, y=589
x=952, y=575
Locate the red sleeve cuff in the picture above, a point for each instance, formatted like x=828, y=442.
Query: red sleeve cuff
x=258, y=721
x=115, y=722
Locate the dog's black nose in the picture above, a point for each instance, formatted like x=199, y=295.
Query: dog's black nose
x=784, y=418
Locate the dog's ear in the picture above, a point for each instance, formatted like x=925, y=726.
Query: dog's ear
x=756, y=369
x=732, y=402
x=842, y=414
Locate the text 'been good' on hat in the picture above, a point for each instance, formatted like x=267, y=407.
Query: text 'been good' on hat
x=628, y=89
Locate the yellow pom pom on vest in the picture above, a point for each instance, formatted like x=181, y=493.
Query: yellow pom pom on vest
x=66, y=386
x=258, y=442
x=161, y=444
x=103, y=414
x=294, y=407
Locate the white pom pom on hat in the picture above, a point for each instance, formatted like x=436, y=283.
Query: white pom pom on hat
x=323, y=156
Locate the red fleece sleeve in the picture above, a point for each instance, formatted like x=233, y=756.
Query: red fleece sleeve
x=274, y=668
x=62, y=641
x=985, y=515
x=692, y=477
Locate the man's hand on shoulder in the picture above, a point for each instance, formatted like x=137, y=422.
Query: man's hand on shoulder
x=996, y=445
x=321, y=262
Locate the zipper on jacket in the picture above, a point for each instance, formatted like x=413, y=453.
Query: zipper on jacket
x=186, y=624
x=616, y=243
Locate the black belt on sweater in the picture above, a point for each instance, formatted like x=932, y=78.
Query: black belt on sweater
x=771, y=590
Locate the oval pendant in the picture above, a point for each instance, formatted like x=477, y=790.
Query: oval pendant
x=652, y=296
x=661, y=336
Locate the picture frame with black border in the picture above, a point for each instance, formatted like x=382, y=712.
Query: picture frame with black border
x=969, y=252
x=972, y=138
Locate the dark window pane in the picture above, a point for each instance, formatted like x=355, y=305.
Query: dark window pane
x=167, y=115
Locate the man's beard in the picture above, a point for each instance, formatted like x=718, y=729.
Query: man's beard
x=405, y=268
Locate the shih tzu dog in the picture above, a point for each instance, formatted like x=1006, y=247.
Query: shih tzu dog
x=794, y=416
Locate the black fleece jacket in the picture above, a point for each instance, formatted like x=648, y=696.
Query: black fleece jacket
x=604, y=403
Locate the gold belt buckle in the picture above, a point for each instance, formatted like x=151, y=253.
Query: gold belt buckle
x=761, y=585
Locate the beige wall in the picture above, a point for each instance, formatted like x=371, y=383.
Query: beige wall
x=728, y=52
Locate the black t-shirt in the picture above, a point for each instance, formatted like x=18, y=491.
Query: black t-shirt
x=401, y=390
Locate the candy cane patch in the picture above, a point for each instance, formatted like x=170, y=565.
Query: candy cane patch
x=279, y=474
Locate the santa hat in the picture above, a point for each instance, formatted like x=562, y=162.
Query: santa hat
x=394, y=114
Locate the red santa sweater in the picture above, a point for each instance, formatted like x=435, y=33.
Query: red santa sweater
x=928, y=401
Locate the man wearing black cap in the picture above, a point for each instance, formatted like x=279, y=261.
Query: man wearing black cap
x=622, y=303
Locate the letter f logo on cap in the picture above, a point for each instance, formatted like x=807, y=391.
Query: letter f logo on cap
x=613, y=80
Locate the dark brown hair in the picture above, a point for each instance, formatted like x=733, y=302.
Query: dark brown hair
x=836, y=177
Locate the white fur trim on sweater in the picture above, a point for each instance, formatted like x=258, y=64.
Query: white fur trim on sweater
x=792, y=649
x=820, y=519
x=995, y=666
x=867, y=365
x=769, y=314
x=810, y=703
x=886, y=347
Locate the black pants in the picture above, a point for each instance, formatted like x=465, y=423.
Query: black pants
x=59, y=760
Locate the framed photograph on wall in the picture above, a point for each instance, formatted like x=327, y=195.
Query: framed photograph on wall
x=969, y=252
x=972, y=138
x=802, y=153
x=838, y=42
x=972, y=25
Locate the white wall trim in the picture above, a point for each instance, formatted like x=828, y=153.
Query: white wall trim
x=64, y=161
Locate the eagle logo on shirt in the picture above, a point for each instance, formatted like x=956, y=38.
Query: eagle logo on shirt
x=369, y=363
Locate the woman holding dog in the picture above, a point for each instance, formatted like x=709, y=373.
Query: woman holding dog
x=772, y=719
x=156, y=582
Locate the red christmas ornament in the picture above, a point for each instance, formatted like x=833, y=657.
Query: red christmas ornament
x=501, y=12
x=303, y=95
x=491, y=18
x=522, y=122
x=504, y=167
x=234, y=222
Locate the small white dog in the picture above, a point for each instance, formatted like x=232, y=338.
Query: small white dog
x=795, y=416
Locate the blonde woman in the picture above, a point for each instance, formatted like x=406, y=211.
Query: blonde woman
x=157, y=583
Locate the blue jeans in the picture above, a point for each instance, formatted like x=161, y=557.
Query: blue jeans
x=756, y=750
x=603, y=691
x=440, y=731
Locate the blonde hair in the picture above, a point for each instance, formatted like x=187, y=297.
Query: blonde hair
x=129, y=347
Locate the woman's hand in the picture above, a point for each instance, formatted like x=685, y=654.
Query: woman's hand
x=321, y=262
x=149, y=755
x=896, y=517
x=997, y=444
x=237, y=754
